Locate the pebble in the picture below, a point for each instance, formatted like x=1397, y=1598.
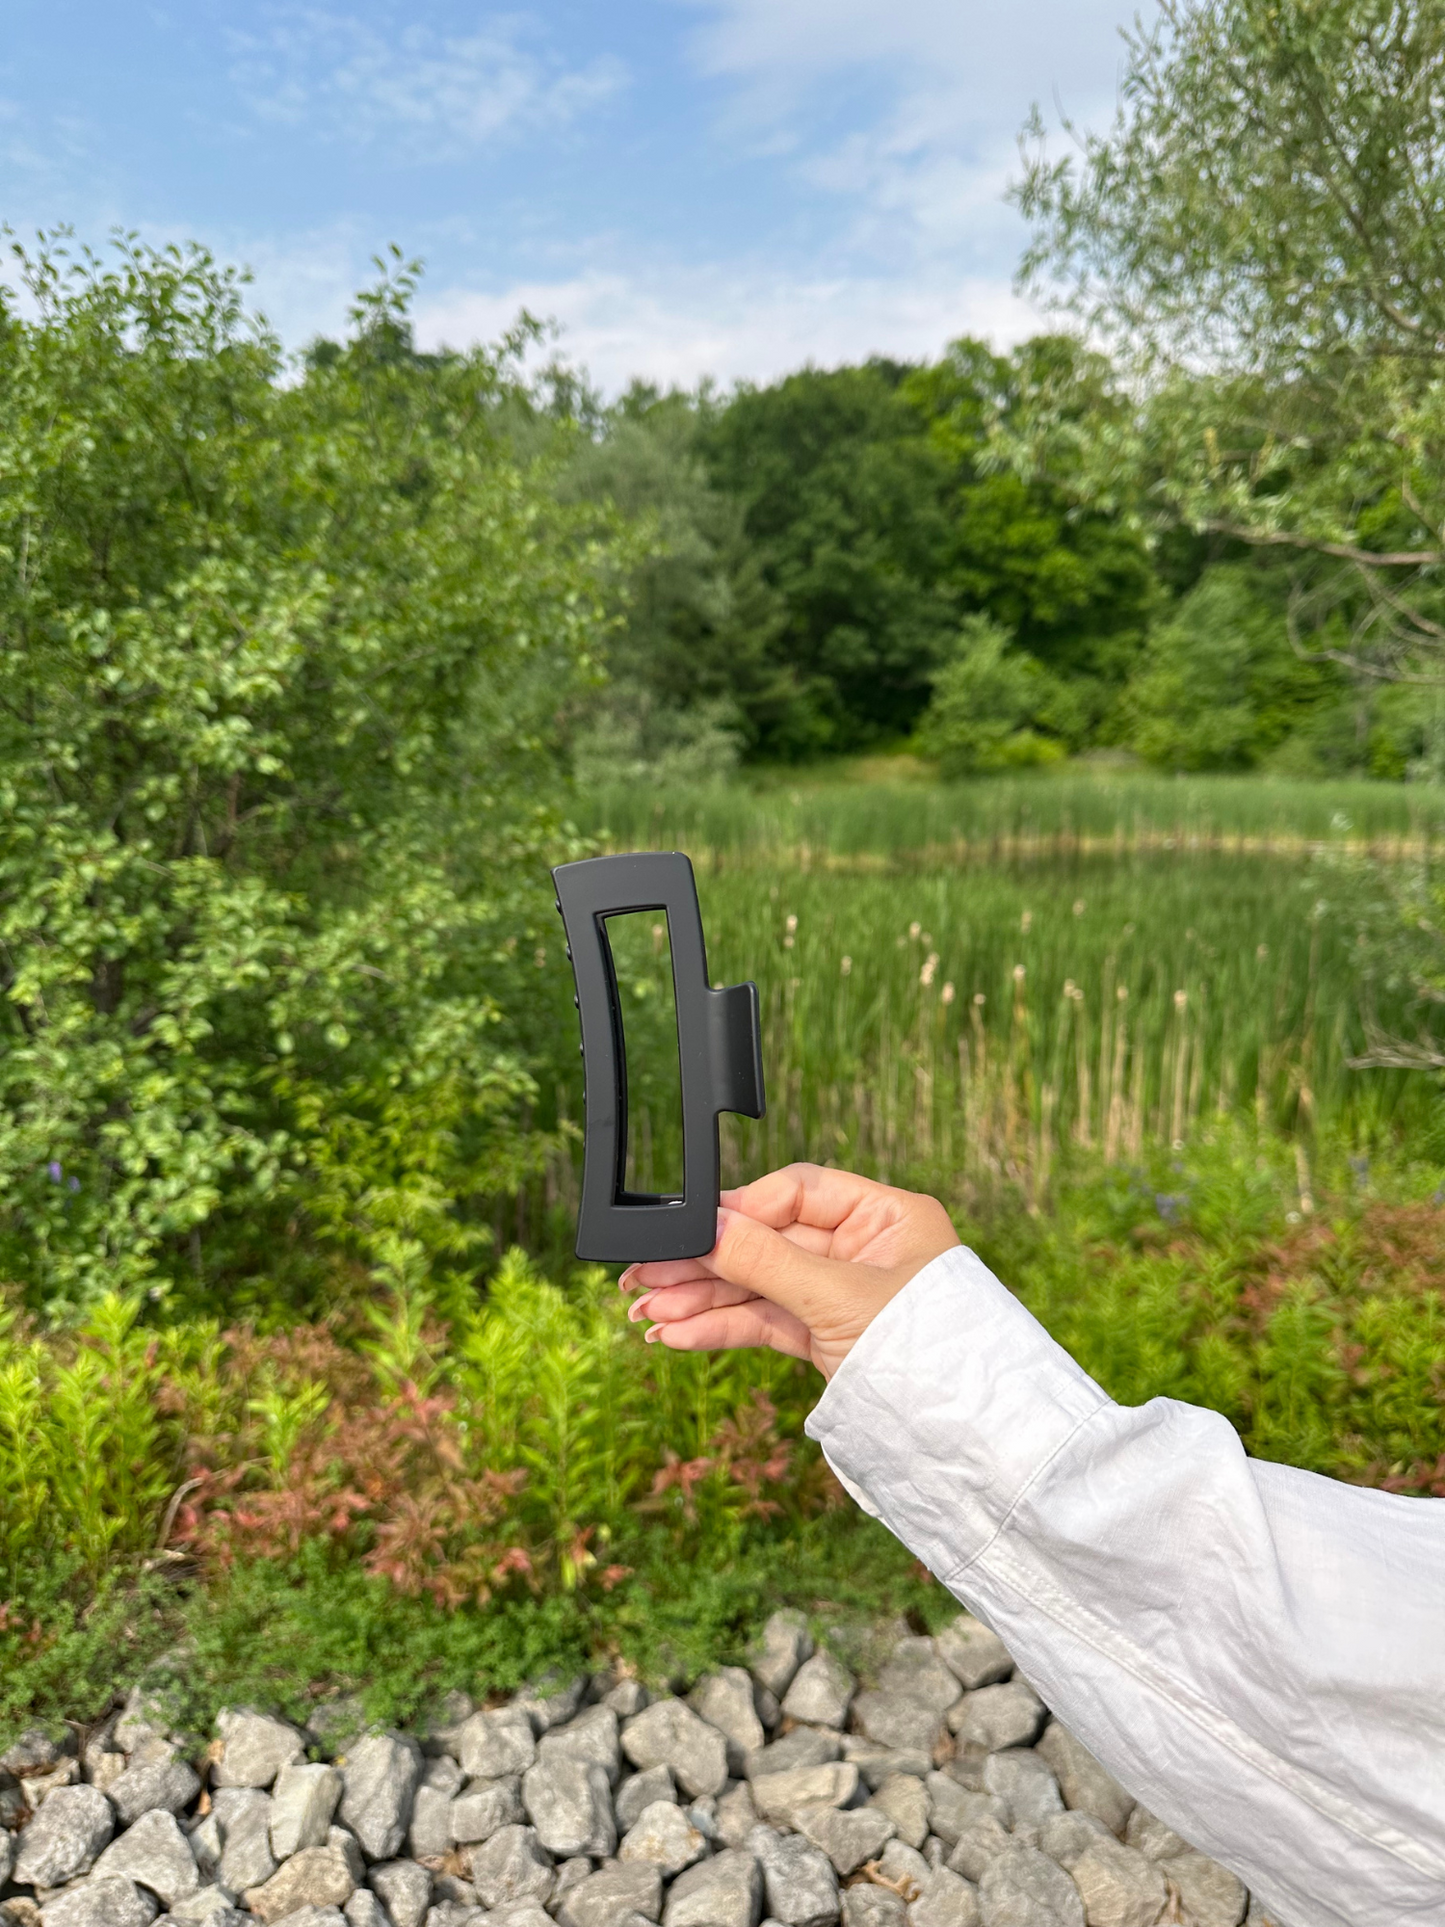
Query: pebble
x=380, y=1775
x=491, y=1746
x=512, y=1865
x=113, y=1902
x=895, y=1719
x=781, y=1649
x=948, y=1900
x=848, y=1839
x=302, y=1807
x=974, y=1655
x=664, y=1837
x=477, y=1814
x=155, y=1854
x=800, y=1888
x=669, y=1733
x=64, y=1838
x=643, y=1790
x=998, y=1716
x=905, y=1801
x=780, y=1795
x=253, y=1748
x=592, y=1738
x=1025, y=1782
x=608, y=1898
x=315, y=1877
x=405, y=1888
x=1082, y=1781
x=569, y=1802
x=821, y=1692
x=724, y=1699
x=1119, y=1887
x=725, y=1891
x=1024, y=1888
x=916, y=1671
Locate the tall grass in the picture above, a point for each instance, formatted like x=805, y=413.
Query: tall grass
x=956, y=1024
x=822, y=818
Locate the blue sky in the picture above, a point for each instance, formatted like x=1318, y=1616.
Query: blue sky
x=690, y=187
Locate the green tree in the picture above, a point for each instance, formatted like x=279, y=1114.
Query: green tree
x=844, y=500
x=281, y=664
x=985, y=699
x=1259, y=232
x=1074, y=584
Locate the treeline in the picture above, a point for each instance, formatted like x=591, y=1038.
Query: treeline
x=854, y=559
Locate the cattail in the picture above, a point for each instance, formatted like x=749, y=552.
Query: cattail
x=846, y=967
x=946, y=995
x=926, y=975
x=915, y=930
x=790, y=924
x=1181, y=998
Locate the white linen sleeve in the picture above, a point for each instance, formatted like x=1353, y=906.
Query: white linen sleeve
x=1256, y=1653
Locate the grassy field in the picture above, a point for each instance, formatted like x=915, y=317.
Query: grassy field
x=963, y=983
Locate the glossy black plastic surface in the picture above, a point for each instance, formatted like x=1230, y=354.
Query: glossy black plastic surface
x=720, y=1057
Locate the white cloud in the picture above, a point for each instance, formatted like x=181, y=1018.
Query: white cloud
x=676, y=326
x=936, y=93
x=429, y=95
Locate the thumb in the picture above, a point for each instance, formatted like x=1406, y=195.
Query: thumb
x=815, y=1289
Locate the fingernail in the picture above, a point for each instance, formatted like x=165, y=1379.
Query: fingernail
x=652, y=1334
x=624, y=1283
x=723, y=1216
x=638, y=1310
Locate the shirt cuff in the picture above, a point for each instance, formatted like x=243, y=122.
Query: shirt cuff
x=949, y=1406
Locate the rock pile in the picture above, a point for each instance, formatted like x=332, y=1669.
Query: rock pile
x=942, y=1796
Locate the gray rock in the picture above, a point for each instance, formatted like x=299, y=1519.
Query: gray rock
x=405, y=1888
x=1025, y=1783
x=903, y=1868
x=477, y=1814
x=800, y=1888
x=974, y=1655
x=820, y=1693
x=663, y=1836
x=246, y=1856
x=998, y=1716
x=524, y=1913
x=643, y=1790
x=442, y=1774
x=725, y=1891
x=381, y=1773
x=145, y=1717
x=905, y=1801
x=737, y=1815
x=302, y=1805
x=781, y=1648
x=570, y=1874
x=492, y=1746
x=935, y=1852
x=7, y=1855
x=363, y=1909
x=430, y=1834
x=167, y=1785
x=592, y=1738
x=916, y=1671
x=207, y=1842
x=1120, y=1887
x=952, y=1808
x=848, y=1838
x=947, y=1900
x=455, y=1913
x=804, y=1746
x=1083, y=1782
x=438, y=1736
x=112, y=1902
x=212, y=1904
x=779, y=1796
x=876, y=1763
x=38, y=1786
x=703, y=1815
x=1153, y=1839
x=569, y=1802
x=310, y=1916
x=670, y=1734
x=608, y=1898
x=64, y=1838
x=1212, y=1896
x=36, y=1751
x=103, y=1764
x=1024, y=1888
x=725, y=1700
x=315, y=1877
x=869, y=1906
x=895, y=1719
x=627, y=1697
x=978, y=1846
x=552, y=1701
x=1068, y=1835
x=253, y=1749
x=155, y=1854
x=512, y=1866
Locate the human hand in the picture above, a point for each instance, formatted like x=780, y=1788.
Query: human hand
x=805, y=1259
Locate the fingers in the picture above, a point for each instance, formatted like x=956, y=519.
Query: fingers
x=663, y=1271
x=812, y=1194
x=734, y=1327
x=754, y=1255
x=673, y=1302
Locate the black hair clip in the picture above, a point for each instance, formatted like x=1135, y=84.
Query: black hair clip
x=719, y=1049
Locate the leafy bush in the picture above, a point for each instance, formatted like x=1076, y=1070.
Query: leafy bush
x=984, y=698
x=281, y=666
